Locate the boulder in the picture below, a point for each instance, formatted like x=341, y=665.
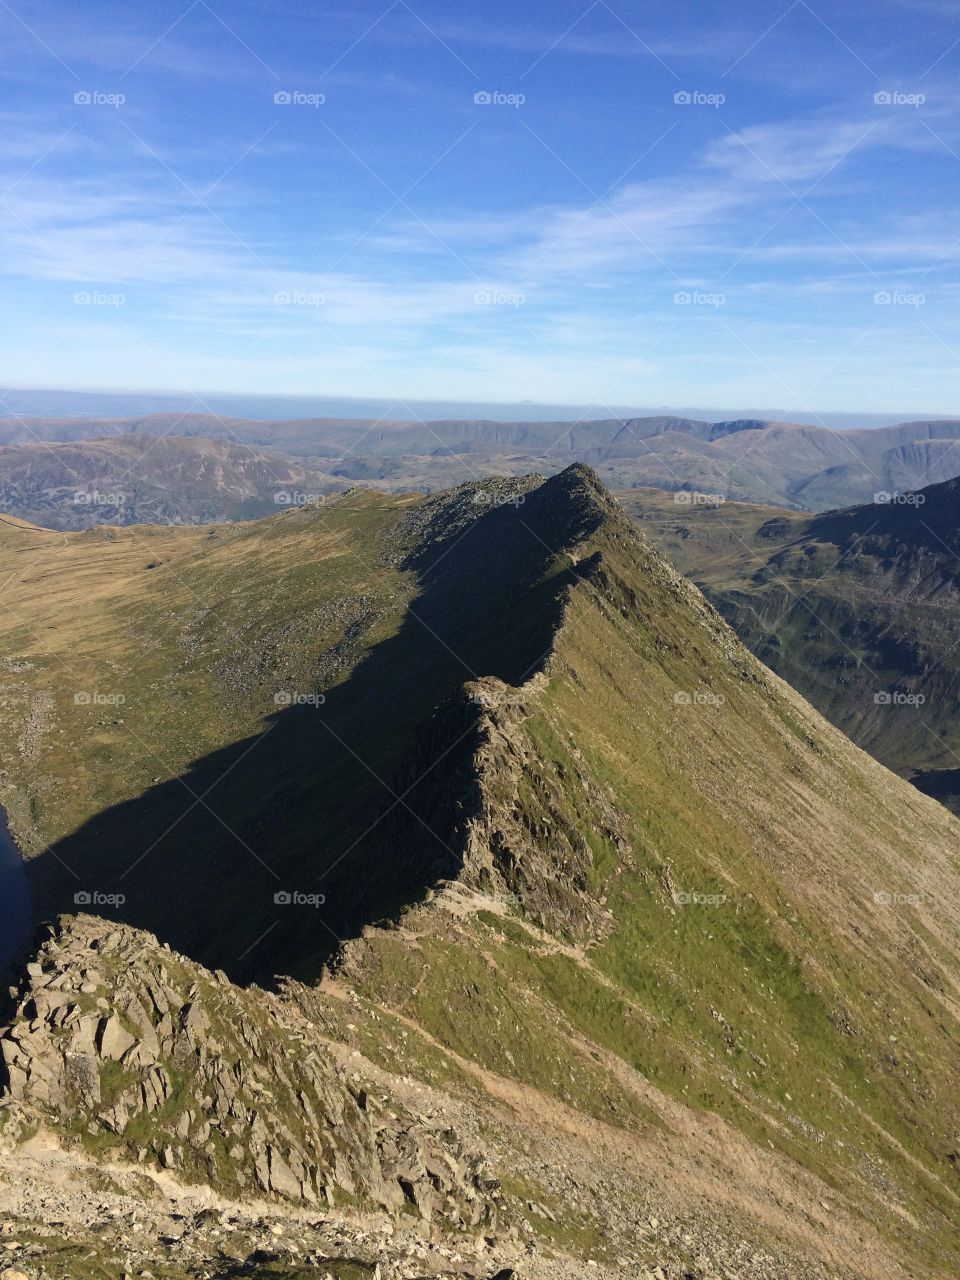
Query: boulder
x=112, y=1040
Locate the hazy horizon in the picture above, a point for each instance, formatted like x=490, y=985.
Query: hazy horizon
x=70, y=403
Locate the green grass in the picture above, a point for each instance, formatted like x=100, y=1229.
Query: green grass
x=733, y=1009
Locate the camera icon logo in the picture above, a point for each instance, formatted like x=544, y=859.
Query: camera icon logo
x=282, y=98
x=683, y=97
x=82, y=898
x=282, y=898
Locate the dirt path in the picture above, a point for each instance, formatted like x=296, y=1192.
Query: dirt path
x=696, y=1170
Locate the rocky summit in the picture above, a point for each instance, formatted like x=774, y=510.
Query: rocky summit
x=465, y=900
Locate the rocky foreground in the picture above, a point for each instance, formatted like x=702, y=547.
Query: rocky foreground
x=158, y=1122
x=145, y=1098
x=222, y=1086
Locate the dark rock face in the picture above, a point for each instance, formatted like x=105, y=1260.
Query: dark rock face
x=116, y=1038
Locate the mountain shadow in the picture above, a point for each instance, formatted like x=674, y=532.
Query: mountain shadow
x=264, y=854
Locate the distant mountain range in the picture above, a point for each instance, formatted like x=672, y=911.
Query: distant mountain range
x=858, y=609
x=149, y=479
x=752, y=460
x=32, y=403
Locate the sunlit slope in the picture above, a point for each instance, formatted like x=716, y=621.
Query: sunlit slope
x=858, y=609
x=707, y=885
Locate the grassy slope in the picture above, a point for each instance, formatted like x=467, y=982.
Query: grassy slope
x=813, y=1018
x=194, y=629
x=840, y=618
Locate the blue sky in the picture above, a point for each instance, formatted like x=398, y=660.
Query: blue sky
x=693, y=203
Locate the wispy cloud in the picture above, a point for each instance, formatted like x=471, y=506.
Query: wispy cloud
x=419, y=236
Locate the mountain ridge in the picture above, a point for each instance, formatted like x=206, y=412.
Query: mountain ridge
x=610, y=868
x=149, y=479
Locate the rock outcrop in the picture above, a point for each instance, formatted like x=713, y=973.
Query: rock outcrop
x=119, y=1042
